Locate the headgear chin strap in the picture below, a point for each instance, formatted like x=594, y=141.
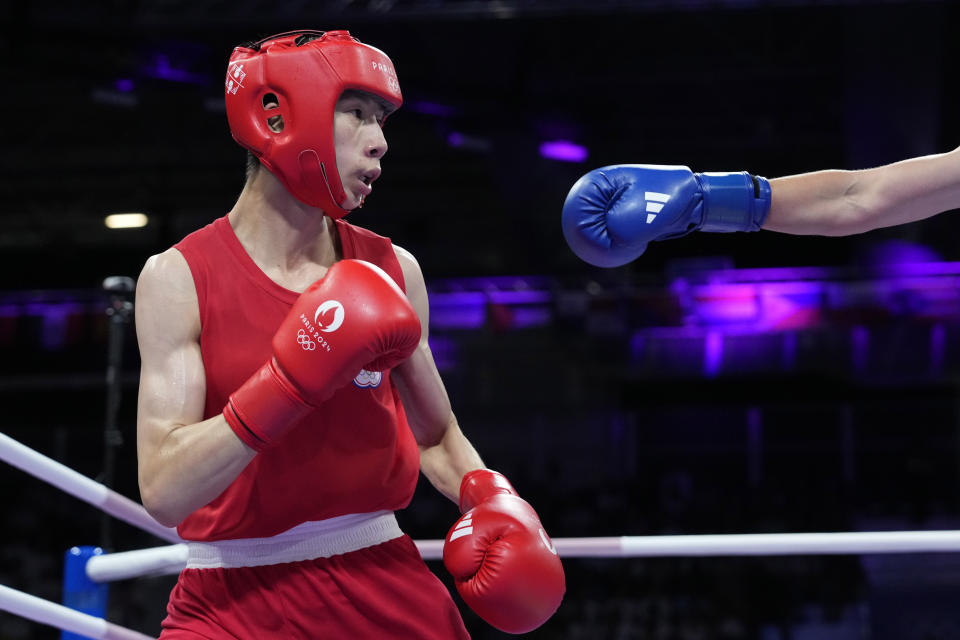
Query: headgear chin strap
x=305, y=78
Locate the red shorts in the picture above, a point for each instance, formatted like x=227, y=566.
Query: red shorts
x=381, y=591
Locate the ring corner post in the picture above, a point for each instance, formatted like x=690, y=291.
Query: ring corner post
x=79, y=591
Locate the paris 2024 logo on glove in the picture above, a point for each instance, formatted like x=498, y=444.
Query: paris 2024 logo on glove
x=309, y=337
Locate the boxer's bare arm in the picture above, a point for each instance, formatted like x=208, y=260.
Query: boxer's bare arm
x=839, y=203
x=183, y=461
x=445, y=453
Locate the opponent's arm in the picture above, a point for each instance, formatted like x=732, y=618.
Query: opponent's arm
x=445, y=453
x=839, y=203
x=612, y=213
x=502, y=561
x=182, y=462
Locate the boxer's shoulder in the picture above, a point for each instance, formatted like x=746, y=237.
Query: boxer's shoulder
x=408, y=263
x=412, y=274
x=167, y=272
x=166, y=293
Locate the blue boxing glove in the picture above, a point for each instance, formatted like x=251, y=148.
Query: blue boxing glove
x=612, y=213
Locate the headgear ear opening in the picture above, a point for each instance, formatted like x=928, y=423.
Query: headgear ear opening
x=306, y=71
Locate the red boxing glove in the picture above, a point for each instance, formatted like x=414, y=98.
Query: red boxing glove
x=504, y=565
x=353, y=318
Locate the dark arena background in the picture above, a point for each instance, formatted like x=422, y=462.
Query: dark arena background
x=720, y=384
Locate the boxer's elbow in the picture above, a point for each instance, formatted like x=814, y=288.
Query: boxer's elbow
x=161, y=502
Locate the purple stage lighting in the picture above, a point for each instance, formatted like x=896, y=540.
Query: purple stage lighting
x=898, y=257
x=465, y=142
x=431, y=108
x=564, y=151
x=458, y=310
x=124, y=85
x=161, y=68
x=444, y=351
x=713, y=354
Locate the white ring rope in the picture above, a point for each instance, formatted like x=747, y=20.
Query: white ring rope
x=57, y=615
x=156, y=561
x=82, y=487
x=761, y=544
x=172, y=559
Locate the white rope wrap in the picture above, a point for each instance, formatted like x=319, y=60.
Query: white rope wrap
x=82, y=487
x=61, y=617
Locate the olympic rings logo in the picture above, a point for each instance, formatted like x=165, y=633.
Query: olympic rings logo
x=303, y=339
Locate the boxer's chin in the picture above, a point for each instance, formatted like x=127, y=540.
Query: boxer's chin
x=352, y=201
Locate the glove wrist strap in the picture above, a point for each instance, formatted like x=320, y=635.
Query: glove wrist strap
x=264, y=408
x=734, y=201
x=480, y=485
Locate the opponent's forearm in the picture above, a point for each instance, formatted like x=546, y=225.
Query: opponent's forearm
x=836, y=203
x=192, y=465
x=445, y=463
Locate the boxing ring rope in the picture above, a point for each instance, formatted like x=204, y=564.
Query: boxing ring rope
x=82, y=487
x=172, y=558
x=745, y=544
x=57, y=615
x=94, y=493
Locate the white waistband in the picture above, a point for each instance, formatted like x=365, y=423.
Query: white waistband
x=307, y=541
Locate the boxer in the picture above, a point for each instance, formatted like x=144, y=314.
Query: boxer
x=288, y=396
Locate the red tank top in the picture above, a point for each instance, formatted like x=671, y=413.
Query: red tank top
x=355, y=454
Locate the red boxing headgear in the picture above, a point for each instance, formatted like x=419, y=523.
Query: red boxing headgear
x=307, y=77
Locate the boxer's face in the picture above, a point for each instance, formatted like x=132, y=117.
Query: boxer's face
x=359, y=142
